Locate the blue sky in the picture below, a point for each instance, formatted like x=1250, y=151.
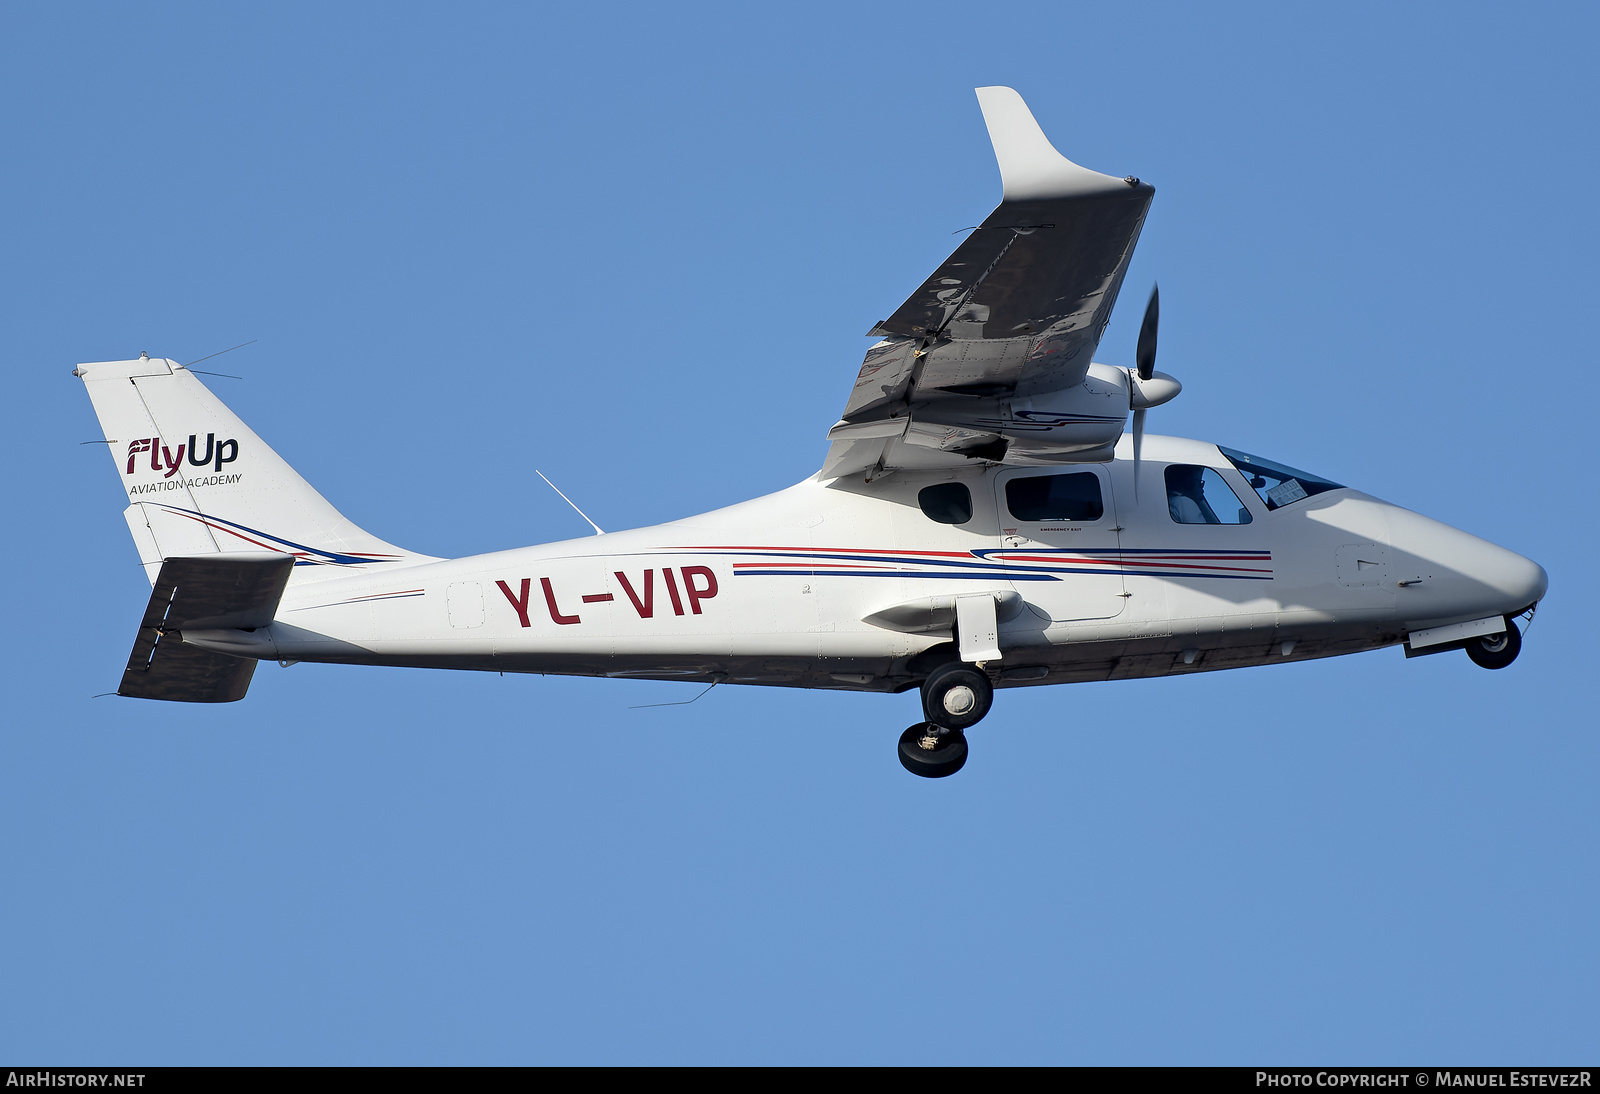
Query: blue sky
x=637, y=248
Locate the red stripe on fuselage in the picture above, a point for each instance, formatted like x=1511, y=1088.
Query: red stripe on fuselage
x=836, y=551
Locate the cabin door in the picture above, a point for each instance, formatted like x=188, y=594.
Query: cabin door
x=1059, y=541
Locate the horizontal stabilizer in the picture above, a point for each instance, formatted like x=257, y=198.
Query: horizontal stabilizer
x=237, y=591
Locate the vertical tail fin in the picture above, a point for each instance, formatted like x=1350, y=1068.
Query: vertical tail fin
x=200, y=482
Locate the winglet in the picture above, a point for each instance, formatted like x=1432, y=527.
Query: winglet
x=1030, y=167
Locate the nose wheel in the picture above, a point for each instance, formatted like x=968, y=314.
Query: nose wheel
x=955, y=697
x=1496, y=651
x=926, y=751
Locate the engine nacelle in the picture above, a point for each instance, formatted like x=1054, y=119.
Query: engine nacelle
x=1080, y=424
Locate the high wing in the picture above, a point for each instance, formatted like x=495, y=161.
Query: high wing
x=990, y=358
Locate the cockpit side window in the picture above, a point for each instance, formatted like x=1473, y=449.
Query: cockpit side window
x=946, y=502
x=1198, y=495
x=1277, y=483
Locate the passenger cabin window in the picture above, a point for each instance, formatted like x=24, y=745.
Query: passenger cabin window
x=1198, y=495
x=946, y=502
x=1278, y=484
x=1074, y=497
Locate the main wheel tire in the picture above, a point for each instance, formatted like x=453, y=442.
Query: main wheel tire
x=947, y=756
x=1495, y=651
x=956, y=696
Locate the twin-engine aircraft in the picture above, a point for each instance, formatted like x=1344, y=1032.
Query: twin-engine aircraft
x=981, y=522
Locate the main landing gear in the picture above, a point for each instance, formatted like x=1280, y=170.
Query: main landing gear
x=1496, y=651
x=955, y=696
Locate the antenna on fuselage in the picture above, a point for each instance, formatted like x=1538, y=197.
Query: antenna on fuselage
x=599, y=531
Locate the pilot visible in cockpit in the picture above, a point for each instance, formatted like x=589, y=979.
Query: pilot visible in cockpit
x=1186, y=496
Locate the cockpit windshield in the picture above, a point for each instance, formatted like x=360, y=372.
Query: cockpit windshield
x=1277, y=483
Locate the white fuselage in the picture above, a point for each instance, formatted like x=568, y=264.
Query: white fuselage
x=780, y=590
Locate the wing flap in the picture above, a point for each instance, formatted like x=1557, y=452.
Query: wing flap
x=884, y=378
x=213, y=592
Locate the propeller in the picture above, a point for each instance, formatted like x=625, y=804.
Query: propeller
x=1146, y=386
x=1144, y=357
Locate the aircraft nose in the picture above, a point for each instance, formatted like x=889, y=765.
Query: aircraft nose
x=1522, y=578
x=1518, y=581
x=1467, y=574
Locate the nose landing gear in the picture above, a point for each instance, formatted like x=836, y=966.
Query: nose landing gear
x=1496, y=651
x=955, y=696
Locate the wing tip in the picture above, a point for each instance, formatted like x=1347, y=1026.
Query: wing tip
x=1031, y=168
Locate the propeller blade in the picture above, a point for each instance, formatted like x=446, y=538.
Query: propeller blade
x=1138, y=443
x=1145, y=354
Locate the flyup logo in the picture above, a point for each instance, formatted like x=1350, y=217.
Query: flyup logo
x=163, y=458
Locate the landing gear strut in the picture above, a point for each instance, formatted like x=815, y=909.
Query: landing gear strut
x=1496, y=651
x=955, y=696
